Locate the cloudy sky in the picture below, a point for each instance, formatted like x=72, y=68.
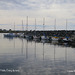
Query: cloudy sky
x=17, y=10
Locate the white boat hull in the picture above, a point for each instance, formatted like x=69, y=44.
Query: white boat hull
x=44, y=38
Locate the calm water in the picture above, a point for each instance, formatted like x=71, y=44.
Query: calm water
x=26, y=57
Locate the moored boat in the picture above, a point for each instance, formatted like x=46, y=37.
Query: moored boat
x=10, y=35
x=44, y=37
x=28, y=36
x=55, y=38
x=36, y=37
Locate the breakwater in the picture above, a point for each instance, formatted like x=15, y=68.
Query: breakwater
x=62, y=33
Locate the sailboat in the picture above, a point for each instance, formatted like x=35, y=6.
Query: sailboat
x=11, y=35
x=22, y=34
x=55, y=37
x=66, y=39
x=28, y=36
x=35, y=36
x=44, y=37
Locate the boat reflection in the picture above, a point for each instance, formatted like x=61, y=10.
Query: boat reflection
x=37, y=57
x=10, y=38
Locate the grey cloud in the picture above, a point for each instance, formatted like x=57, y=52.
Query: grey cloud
x=64, y=1
x=30, y=4
x=12, y=4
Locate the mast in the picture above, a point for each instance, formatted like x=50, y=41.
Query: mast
x=66, y=24
x=14, y=26
x=55, y=25
x=35, y=26
x=22, y=26
x=27, y=24
x=43, y=23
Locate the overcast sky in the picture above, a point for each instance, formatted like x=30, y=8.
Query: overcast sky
x=17, y=10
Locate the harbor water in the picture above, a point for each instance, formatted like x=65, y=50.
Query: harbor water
x=20, y=56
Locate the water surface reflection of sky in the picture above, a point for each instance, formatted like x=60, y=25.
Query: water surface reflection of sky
x=35, y=58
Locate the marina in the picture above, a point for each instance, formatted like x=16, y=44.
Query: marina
x=60, y=36
x=37, y=37
x=35, y=57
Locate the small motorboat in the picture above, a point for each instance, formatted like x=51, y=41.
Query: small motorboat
x=10, y=35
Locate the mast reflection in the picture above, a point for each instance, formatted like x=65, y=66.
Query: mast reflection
x=26, y=49
x=66, y=62
x=43, y=51
x=54, y=60
x=35, y=50
x=22, y=47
